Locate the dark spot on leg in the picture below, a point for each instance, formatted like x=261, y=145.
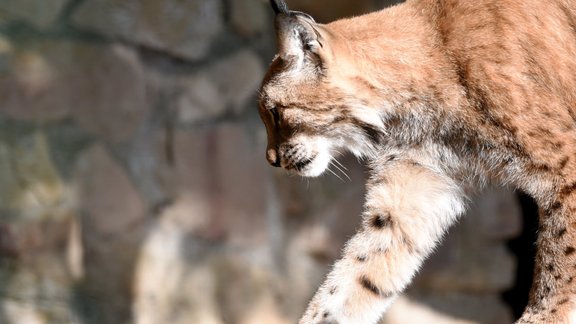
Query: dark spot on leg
x=361, y=258
x=569, y=250
x=562, y=232
x=555, y=206
x=563, y=301
x=325, y=315
x=381, y=220
x=332, y=290
x=549, y=267
x=554, y=310
x=381, y=250
x=570, y=279
x=557, y=276
x=370, y=286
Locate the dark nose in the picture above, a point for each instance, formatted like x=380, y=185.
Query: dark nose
x=272, y=157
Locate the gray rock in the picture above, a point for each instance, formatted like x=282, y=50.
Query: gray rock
x=182, y=28
x=39, y=13
x=200, y=99
x=32, y=82
x=114, y=222
x=447, y=308
x=113, y=100
x=37, y=212
x=250, y=17
x=38, y=291
x=110, y=202
x=224, y=86
x=221, y=178
x=48, y=80
x=31, y=187
x=237, y=78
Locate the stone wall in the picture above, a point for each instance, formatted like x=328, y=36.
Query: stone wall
x=134, y=189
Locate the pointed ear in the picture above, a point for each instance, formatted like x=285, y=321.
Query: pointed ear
x=279, y=6
x=297, y=36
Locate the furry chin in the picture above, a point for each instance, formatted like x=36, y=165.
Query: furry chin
x=316, y=167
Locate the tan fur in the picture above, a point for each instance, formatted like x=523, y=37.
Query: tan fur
x=441, y=96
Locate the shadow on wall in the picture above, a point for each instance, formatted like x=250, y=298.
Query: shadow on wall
x=133, y=184
x=524, y=248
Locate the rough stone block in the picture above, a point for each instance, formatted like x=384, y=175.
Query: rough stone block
x=39, y=13
x=113, y=100
x=226, y=85
x=183, y=280
x=200, y=99
x=36, y=213
x=182, y=28
x=450, y=308
x=109, y=201
x=238, y=87
x=114, y=222
x=49, y=80
x=30, y=84
x=250, y=17
x=225, y=181
x=31, y=187
x=38, y=292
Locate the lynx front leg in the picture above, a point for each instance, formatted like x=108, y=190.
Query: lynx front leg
x=553, y=295
x=407, y=210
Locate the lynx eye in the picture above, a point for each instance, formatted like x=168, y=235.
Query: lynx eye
x=275, y=115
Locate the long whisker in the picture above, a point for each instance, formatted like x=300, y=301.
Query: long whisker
x=338, y=152
x=340, y=164
x=341, y=171
x=337, y=176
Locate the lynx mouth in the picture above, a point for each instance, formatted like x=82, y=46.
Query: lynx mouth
x=300, y=166
x=306, y=156
x=310, y=167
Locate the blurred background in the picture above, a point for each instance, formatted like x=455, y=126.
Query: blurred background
x=134, y=189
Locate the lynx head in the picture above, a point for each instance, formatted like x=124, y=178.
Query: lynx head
x=308, y=100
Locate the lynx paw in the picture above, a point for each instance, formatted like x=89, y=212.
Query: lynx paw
x=319, y=317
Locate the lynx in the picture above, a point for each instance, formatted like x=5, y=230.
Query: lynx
x=441, y=97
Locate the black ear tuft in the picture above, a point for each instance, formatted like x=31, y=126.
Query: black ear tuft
x=279, y=6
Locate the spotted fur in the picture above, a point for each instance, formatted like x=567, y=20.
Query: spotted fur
x=440, y=97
